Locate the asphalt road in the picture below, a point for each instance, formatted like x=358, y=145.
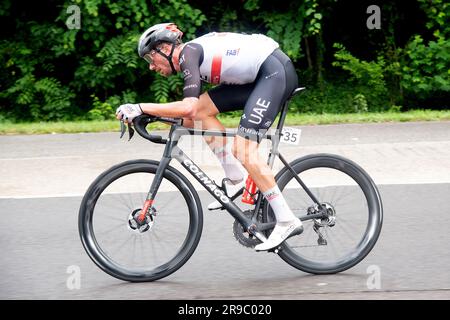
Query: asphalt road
x=44, y=177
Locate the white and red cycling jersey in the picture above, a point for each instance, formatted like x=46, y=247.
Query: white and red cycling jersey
x=225, y=57
x=250, y=71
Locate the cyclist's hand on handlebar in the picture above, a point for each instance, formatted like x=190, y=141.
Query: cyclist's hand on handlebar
x=127, y=112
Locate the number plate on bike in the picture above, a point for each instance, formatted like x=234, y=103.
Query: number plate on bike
x=291, y=135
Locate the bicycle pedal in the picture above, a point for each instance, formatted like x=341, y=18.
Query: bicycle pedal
x=275, y=250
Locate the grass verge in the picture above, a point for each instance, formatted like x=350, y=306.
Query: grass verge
x=228, y=121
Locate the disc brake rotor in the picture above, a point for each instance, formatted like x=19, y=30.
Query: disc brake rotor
x=141, y=226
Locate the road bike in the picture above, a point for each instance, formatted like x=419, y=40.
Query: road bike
x=141, y=220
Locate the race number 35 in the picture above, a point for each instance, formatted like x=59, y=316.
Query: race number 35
x=291, y=136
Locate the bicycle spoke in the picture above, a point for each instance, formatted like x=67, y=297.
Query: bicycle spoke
x=122, y=245
x=311, y=232
x=154, y=251
x=120, y=199
x=333, y=196
x=141, y=245
x=330, y=243
x=162, y=245
x=134, y=252
x=111, y=229
x=345, y=230
x=107, y=206
x=338, y=201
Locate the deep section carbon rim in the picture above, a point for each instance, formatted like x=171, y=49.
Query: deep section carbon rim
x=166, y=240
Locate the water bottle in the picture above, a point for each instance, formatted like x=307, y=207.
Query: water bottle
x=249, y=191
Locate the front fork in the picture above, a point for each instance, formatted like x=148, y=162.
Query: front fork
x=146, y=209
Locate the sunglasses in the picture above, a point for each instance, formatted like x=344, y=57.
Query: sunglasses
x=149, y=56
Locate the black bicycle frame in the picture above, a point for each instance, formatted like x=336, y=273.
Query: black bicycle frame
x=173, y=151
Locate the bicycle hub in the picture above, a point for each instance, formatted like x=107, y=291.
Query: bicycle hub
x=135, y=224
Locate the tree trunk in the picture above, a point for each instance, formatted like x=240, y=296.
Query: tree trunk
x=319, y=59
x=308, y=54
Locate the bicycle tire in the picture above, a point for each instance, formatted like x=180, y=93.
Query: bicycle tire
x=374, y=204
x=87, y=210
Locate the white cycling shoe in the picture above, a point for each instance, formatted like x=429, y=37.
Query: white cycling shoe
x=281, y=232
x=230, y=189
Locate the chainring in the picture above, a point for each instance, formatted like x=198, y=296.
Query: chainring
x=242, y=236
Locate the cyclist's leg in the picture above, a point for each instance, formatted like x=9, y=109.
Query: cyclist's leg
x=275, y=81
x=206, y=119
x=221, y=99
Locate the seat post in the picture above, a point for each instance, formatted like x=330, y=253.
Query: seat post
x=275, y=141
x=283, y=114
x=284, y=110
x=276, y=137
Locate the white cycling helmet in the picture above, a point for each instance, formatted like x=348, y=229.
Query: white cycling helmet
x=160, y=33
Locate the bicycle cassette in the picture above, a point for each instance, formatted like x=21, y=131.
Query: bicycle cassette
x=242, y=236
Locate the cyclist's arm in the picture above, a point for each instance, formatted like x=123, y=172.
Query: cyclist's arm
x=185, y=108
x=191, y=57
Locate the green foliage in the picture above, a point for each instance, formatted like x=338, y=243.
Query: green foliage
x=289, y=27
x=50, y=72
x=103, y=110
x=360, y=103
x=45, y=63
x=44, y=99
x=426, y=64
x=106, y=110
x=310, y=12
x=251, y=5
x=426, y=68
x=438, y=12
x=334, y=97
x=162, y=87
x=370, y=73
x=369, y=77
x=286, y=33
x=119, y=52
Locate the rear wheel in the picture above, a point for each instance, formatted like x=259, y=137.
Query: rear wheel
x=147, y=250
x=352, y=205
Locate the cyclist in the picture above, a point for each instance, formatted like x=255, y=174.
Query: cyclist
x=251, y=72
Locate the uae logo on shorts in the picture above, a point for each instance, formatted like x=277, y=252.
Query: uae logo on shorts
x=267, y=124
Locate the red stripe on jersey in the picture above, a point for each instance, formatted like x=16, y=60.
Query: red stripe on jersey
x=216, y=67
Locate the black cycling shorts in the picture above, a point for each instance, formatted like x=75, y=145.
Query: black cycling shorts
x=262, y=99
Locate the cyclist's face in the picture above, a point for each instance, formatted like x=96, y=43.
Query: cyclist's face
x=157, y=62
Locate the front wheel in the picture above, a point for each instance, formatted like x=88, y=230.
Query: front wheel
x=351, y=207
x=157, y=246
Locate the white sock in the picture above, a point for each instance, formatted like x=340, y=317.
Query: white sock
x=279, y=206
x=229, y=163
